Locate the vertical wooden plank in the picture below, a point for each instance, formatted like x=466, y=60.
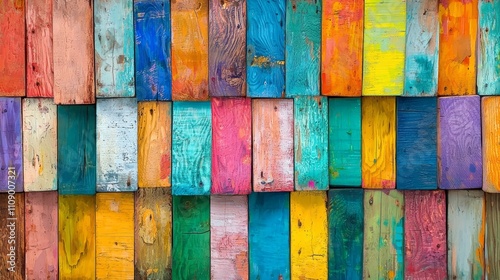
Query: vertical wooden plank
x=77, y=222
x=76, y=149
x=378, y=139
x=269, y=233
x=303, y=42
x=425, y=235
x=191, y=148
x=345, y=239
x=492, y=253
x=189, y=50
x=344, y=144
x=231, y=146
x=459, y=143
x=73, y=49
x=191, y=237
x=491, y=143
x=155, y=144
x=12, y=234
x=488, y=73
x=153, y=234
x=41, y=235
x=11, y=145
x=466, y=211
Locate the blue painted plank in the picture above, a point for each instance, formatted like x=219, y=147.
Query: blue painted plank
x=11, y=145
x=488, y=65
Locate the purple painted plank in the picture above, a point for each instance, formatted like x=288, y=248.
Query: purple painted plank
x=11, y=145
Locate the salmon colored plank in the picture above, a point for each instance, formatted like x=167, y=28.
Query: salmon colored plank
x=12, y=234
x=491, y=143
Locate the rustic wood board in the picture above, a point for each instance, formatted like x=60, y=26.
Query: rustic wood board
x=488, y=73
x=491, y=146
x=12, y=234
x=492, y=253
x=11, y=145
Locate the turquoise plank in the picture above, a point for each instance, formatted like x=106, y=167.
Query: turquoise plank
x=488, y=76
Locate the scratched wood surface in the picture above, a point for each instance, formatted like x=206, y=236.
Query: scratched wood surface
x=77, y=223
x=41, y=235
x=189, y=50
x=466, y=211
x=492, y=250
x=378, y=139
x=73, y=50
x=491, y=143
x=116, y=144
x=488, y=73
x=231, y=145
x=11, y=144
x=12, y=234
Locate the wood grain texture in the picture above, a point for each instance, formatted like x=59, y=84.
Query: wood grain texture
x=311, y=143
x=77, y=223
x=153, y=234
x=491, y=143
x=41, y=235
x=269, y=235
x=191, y=237
x=466, y=219
x=73, y=49
x=416, y=153
x=492, y=252
x=231, y=145
x=189, y=50
x=425, y=235
x=383, y=235
x=40, y=59
x=308, y=235
x=344, y=144
x=11, y=145
x=488, y=73
x=39, y=144
x=345, y=234
x=266, y=48
x=378, y=139
x=459, y=143
x=303, y=43
x=12, y=234
x=191, y=148
x=116, y=144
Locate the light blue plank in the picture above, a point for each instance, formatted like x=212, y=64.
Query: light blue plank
x=488, y=76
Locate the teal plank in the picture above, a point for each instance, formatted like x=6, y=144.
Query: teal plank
x=488, y=76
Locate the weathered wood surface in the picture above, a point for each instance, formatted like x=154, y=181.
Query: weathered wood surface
x=266, y=48
x=491, y=143
x=425, y=235
x=344, y=144
x=73, y=50
x=492, y=249
x=191, y=237
x=460, y=163
x=269, y=235
x=383, y=234
x=308, y=235
x=12, y=234
x=416, y=152
x=191, y=148
x=488, y=72
x=77, y=223
x=345, y=234
x=231, y=145
x=466, y=211
x=11, y=145
x=189, y=50
x=41, y=235
x=116, y=144
x=153, y=234
x=76, y=149
x=303, y=43
x=378, y=139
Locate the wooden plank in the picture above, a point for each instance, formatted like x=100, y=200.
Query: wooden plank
x=40, y=62
x=73, y=49
x=491, y=143
x=384, y=47
x=189, y=50
x=231, y=146
x=76, y=149
x=383, y=235
x=311, y=143
x=422, y=48
x=416, y=153
x=191, y=148
x=345, y=239
x=153, y=233
x=11, y=150
x=266, y=48
x=466, y=211
x=114, y=236
x=488, y=74
x=425, y=235
x=116, y=144
x=344, y=145
x=12, y=246
x=303, y=43
x=77, y=222
x=459, y=143
x=191, y=237
x=155, y=144
x=269, y=233
x=492, y=253
x=41, y=235
x=39, y=144
x=378, y=139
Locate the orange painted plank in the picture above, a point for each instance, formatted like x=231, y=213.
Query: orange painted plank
x=491, y=143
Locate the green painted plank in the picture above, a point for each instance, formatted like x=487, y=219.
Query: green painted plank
x=492, y=245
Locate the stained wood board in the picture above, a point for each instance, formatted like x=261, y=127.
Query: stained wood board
x=492, y=253
x=11, y=150
x=12, y=234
